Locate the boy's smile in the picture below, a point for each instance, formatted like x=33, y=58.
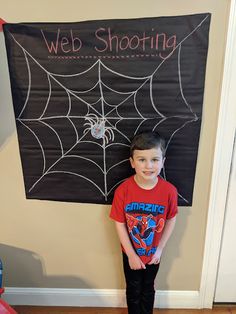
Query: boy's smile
x=147, y=164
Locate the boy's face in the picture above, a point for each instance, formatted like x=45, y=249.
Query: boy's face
x=147, y=164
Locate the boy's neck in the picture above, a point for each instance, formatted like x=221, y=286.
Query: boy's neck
x=146, y=185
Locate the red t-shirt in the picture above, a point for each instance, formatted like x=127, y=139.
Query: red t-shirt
x=144, y=212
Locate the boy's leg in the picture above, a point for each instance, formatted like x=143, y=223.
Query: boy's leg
x=134, y=279
x=148, y=291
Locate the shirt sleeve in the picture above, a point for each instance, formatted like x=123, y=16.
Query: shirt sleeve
x=117, y=208
x=173, y=204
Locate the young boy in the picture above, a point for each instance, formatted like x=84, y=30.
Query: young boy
x=144, y=209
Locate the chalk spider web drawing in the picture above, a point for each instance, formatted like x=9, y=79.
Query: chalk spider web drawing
x=109, y=114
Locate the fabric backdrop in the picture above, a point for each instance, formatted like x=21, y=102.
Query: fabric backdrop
x=82, y=90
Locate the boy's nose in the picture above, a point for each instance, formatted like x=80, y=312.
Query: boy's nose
x=149, y=164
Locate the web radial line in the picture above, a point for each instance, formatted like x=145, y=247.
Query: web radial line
x=81, y=157
x=122, y=75
x=29, y=84
x=83, y=101
x=115, y=125
x=86, y=91
x=49, y=95
x=180, y=83
x=124, y=160
x=177, y=130
x=115, y=186
x=133, y=94
x=199, y=25
x=104, y=141
x=184, y=199
x=114, y=128
x=79, y=141
x=57, y=135
x=24, y=50
x=115, y=108
x=100, y=87
x=78, y=175
x=51, y=117
x=40, y=145
x=76, y=74
x=123, y=118
x=56, y=162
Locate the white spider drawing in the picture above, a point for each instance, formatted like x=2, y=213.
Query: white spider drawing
x=98, y=129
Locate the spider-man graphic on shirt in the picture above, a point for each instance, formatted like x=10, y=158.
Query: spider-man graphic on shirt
x=142, y=229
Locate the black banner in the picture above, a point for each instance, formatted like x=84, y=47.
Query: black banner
x=82, y=90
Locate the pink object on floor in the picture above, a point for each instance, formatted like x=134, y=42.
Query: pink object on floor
x=1, y=23
x=5, y=308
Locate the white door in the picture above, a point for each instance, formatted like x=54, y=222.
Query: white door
x=226, y=278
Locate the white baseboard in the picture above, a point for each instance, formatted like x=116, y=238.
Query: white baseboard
x=177, y=299
x=95, y=297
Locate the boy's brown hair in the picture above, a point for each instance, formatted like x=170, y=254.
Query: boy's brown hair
x=147, y=140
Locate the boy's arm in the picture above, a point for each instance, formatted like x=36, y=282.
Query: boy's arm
x=134, y=260
x=168, y=229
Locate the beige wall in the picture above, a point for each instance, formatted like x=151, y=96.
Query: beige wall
x=48, y=244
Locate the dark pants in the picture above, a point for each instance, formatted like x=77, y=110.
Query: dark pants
x=140, y=291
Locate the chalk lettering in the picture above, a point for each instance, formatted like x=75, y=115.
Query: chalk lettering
x=100, y=38
x=144, y=42
x=133, y=39
x=65, y=44
x=107, y=41
x=170, y=43
x=74, y=40
x=53, y=46
x=126, y=42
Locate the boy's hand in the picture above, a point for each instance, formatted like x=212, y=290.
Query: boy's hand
x=135, y=262
x=156, y=257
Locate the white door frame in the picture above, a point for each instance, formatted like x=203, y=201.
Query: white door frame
x=221, y=167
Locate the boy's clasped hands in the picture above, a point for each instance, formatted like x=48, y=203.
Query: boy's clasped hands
x=135, y=262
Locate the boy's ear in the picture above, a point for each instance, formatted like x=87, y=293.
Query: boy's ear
x=131, y=162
